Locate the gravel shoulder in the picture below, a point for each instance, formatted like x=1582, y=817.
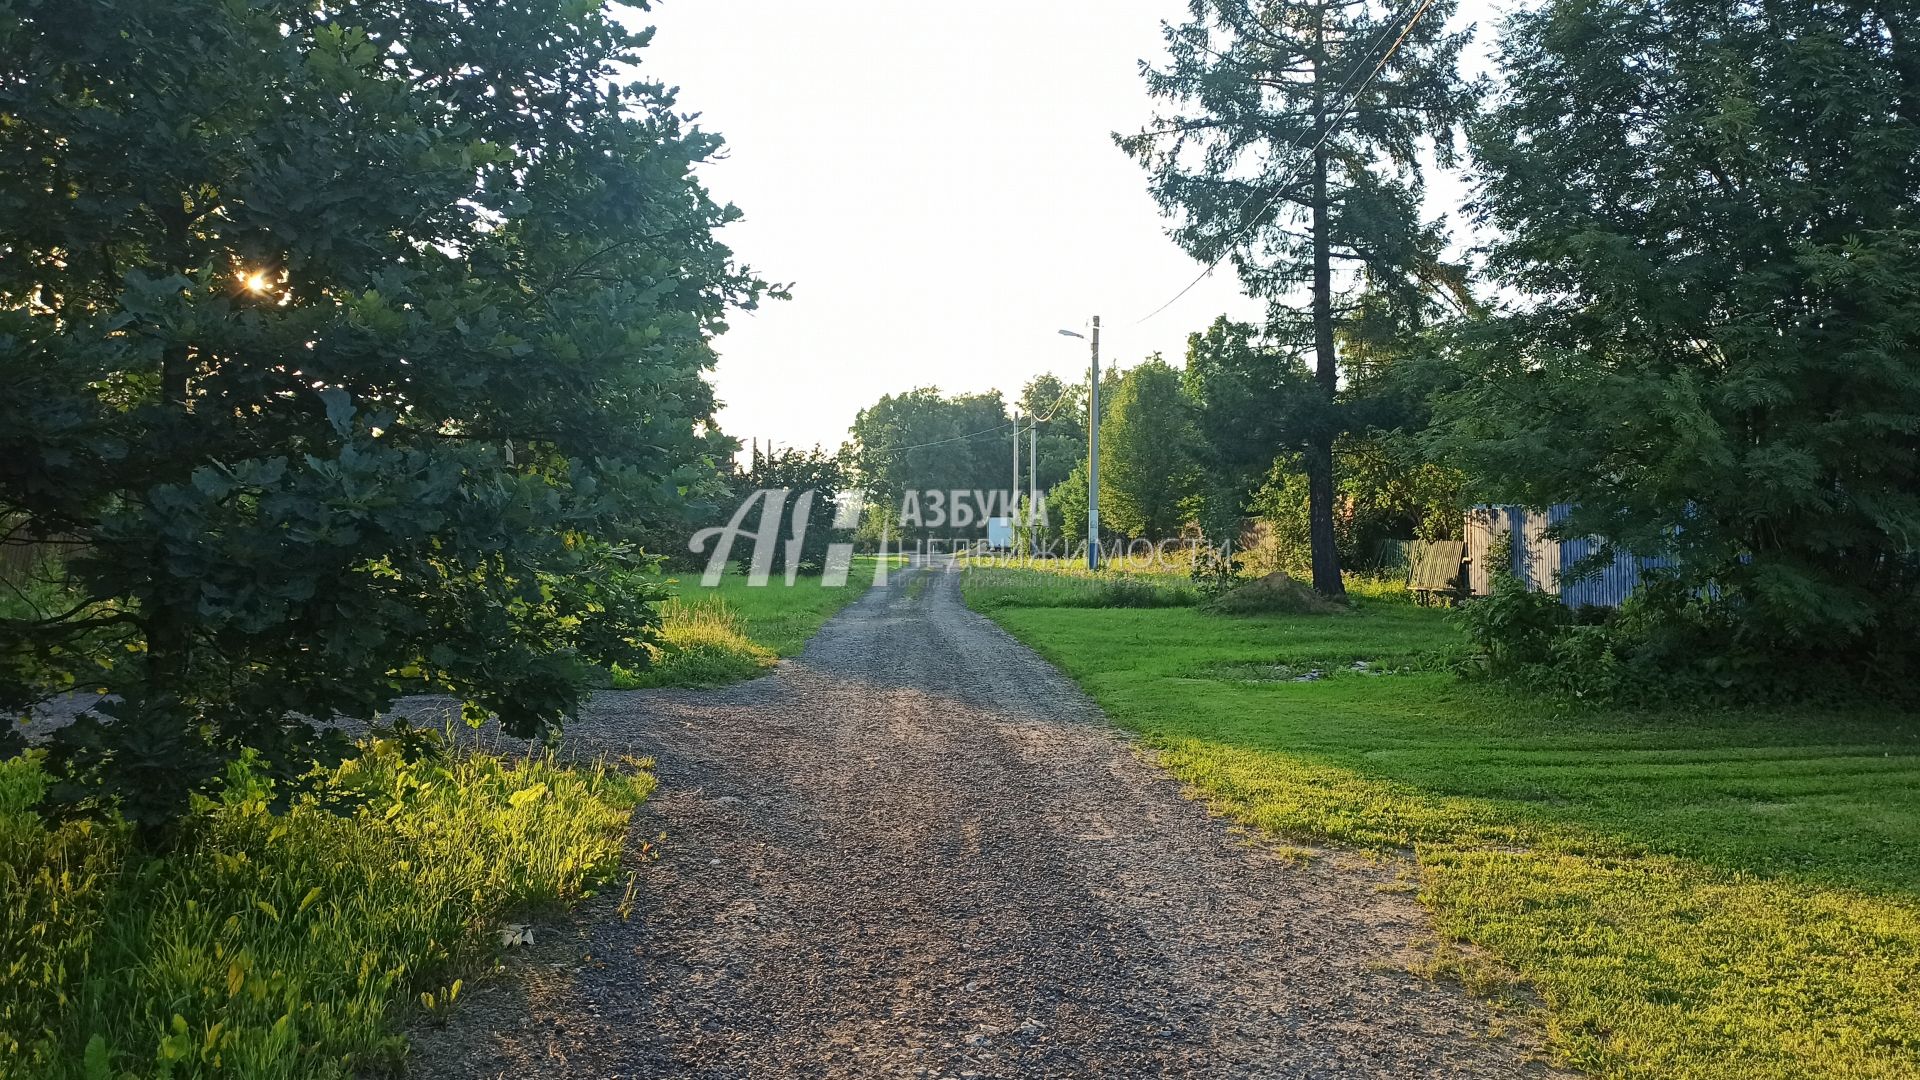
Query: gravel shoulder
x=918, y=850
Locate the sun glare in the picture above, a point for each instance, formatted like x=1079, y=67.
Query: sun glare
x=256, y=281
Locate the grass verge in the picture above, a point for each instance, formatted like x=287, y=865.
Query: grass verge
x=1690, y=896
x=711, y=635
x=286, y=944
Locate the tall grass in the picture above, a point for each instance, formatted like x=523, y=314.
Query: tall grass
x=703, y=642
x=286, y=944
x=992, y=586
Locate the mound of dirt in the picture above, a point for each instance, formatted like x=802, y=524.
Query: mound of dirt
x=1274, y=594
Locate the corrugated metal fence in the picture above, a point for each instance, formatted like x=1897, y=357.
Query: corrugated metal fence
x=1542, y=562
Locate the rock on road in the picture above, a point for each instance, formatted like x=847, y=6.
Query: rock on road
x=918, y=850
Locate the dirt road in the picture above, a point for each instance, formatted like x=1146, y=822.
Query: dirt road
x=917, y=850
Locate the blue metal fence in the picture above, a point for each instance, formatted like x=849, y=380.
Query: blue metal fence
x=1542, y=562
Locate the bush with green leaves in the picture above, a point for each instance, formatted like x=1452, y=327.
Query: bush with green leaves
x=1709, y=214
x=1212, y=573
x=1513, y=626
x=352, y=346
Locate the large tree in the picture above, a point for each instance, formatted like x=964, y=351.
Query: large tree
x=1249, y=401
x=1713, y=210
x=1147, y=453
x=1293, y=150
x=1060, y=411
x=342, y=342
x=943, y=462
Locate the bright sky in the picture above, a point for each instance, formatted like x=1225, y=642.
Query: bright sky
x=938, y=183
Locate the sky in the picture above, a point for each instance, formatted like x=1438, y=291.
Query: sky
x=939, y=185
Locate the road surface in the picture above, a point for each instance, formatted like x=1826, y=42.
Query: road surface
x=918, y=850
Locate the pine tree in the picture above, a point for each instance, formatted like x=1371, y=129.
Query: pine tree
x=1294, y=153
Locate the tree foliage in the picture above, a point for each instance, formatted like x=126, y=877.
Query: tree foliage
x=1061, y=413
x=1714, y=209
x=347, y=343
x=1294, y=152
x=1250, y=404
x=922, y=441
x=1389, y=491
x=1148, y=470
x=797, y=472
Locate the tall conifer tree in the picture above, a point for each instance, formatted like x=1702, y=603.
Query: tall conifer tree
x=1291, y=148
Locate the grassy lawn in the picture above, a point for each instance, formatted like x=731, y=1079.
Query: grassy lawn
x=289, y=944
x=1697, y=895
x=717, y=634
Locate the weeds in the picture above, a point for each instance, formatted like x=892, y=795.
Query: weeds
x=702, y=643
x=282, y=945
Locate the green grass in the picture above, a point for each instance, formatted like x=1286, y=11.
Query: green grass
x=283, y=945
x=718, y=634
x=1704, y=895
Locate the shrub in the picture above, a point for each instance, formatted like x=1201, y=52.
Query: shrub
x=1513, y=626
x=1212, y=574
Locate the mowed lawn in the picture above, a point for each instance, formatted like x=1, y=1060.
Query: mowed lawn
x=1686, y=895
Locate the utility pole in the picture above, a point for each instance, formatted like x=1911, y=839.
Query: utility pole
x=1013, y=493
x=1093, y=455
x=1033, y=483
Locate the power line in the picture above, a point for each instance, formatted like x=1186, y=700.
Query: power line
x=1015, y=423
x=1353, y=99
x=1386, y=28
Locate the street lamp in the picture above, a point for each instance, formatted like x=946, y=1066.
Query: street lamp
x=1093, y=448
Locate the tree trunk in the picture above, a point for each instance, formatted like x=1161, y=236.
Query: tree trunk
x=169, y=637
x=1326, y=555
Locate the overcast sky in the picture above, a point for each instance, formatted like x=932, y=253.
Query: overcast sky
x=938, y=183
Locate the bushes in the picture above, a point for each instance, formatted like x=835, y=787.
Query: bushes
x=1212, y=573
x=1666, y=643
x=1514, y=627
x=53, y=884
x=282, y=944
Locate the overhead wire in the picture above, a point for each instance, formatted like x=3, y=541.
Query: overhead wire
x=1014, y=423
x=1326, y=133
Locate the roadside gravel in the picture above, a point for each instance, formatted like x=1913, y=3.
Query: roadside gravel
x=918, y=850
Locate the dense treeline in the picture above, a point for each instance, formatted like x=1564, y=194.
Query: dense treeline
x=1704, y=234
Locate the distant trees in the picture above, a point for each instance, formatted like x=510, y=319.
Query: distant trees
x=350, y=347
x=797, y=472
x=1713, y=211
x=1292, y=156
x=1062, y=414
x=905, y=445
x=1148, y=468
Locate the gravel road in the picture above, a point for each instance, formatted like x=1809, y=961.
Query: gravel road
x=918, y=850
